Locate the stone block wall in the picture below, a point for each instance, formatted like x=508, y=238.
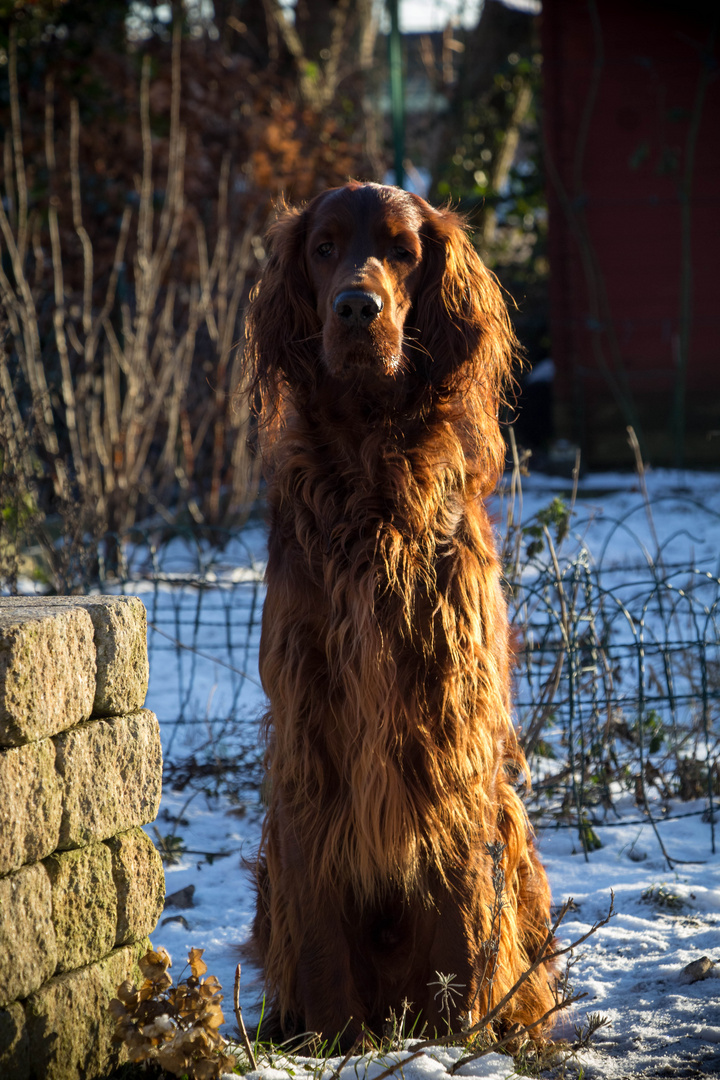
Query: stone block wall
x=81, y=884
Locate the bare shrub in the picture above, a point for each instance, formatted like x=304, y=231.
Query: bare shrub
x=99, y=399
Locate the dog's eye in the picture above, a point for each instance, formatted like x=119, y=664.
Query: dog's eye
x=325, y=249
x=399, y=252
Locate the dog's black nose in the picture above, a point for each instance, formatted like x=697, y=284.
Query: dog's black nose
x=357, y=309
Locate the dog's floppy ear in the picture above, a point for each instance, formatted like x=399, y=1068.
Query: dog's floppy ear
x=460, y=313
x=464, y=330
x=281, y=317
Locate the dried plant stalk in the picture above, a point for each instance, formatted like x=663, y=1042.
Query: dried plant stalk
x=121, y=419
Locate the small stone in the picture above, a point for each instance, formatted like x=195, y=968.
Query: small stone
x=47, y=669
x=183, y=898
x=30, y=804
x=112, y=771
x=84, y=905
x=27, y=937
x=697, y=970
x=123, y=670
x=180, y=919
x=139, y=879
x=14, y=1044
x=69, y=1026
x=120, y=637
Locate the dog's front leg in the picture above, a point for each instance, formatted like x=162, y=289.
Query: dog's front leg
x=326, y=984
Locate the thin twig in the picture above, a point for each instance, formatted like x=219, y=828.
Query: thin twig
x=517, y=1031
x=400, y=1064
x=22, y=191
x=240, y=1021
x=205, y=656
x=593, y=929
x=640, y=468
x=542, y=958
x=77, y=215
x=359, y=1042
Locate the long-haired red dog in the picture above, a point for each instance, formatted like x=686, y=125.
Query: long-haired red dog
x=380, y=346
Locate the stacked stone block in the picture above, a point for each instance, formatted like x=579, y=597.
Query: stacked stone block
x=81, y=884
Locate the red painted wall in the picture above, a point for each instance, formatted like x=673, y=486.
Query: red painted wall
x=626, y=83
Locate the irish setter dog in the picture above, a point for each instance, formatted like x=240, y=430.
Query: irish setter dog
x=380, y=346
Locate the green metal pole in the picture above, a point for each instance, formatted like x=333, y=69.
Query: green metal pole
x=397, y=93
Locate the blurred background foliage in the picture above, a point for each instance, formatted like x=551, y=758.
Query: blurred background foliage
x=143, y=147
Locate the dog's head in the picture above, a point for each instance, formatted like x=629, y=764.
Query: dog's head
x=371, y=285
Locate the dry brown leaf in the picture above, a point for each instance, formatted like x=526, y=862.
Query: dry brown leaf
x=197, y=964
x=175, y=1026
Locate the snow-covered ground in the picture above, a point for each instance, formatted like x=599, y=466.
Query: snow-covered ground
x=630, y=970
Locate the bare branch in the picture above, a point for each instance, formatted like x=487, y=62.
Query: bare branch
x=517, y=1031
x=241, y=1022
x=595, y=927
x=359, y=1042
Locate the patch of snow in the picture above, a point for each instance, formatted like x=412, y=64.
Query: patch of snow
x=630, y=970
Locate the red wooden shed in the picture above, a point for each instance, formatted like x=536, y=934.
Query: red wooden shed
x=632, y=134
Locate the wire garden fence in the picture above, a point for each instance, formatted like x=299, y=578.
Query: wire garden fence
x=617, y=693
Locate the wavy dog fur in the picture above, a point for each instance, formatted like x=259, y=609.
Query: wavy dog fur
x=391, y=753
